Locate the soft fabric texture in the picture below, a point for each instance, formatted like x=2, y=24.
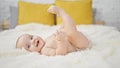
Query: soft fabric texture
x=79, y=10
x=104, y=53
x=31, y=12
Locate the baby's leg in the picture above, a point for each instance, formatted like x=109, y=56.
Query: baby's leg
x=67, y=22
x=69, y=27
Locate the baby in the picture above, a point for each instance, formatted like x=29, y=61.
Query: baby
x=65, y=40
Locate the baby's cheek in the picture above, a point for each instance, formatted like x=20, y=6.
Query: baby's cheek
x=32, y=49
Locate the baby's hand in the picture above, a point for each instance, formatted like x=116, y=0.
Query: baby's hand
x=60, y=35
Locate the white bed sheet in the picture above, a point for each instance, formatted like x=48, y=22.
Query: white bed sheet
x=103, y=54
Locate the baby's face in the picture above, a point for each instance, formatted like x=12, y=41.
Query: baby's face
x=30, y=43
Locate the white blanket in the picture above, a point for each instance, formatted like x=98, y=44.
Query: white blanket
x=103, y=54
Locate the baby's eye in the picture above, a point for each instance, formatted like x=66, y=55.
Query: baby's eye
x=28, y=46
x=31, y=37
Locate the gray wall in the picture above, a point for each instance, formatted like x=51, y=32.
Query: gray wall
x=107, y=10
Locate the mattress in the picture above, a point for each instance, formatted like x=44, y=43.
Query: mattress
x=104, y=53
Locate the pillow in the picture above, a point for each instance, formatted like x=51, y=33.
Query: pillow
x=79, y=10
x=31, y=12
x=13, y=16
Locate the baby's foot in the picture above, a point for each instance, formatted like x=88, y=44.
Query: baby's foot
x=55, y=10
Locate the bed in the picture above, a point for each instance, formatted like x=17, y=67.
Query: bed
x=104, y=53
x=105, y=40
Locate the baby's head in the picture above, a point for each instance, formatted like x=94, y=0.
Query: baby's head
x=30, y=42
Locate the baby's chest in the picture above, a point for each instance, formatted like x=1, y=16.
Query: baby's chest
x=51, y=44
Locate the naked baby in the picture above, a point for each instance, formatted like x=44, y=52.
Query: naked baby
x=65, y=40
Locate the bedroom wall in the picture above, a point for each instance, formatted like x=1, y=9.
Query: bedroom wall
x=107, y=10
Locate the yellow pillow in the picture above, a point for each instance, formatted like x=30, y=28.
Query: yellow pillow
x=79, y=10
x=31, y=12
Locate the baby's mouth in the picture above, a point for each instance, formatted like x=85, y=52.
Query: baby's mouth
x=37, y=43
x=40, y=44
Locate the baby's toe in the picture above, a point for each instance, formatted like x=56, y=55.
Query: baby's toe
x=51, y=8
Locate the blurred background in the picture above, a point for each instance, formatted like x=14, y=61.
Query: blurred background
x=106, y=12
